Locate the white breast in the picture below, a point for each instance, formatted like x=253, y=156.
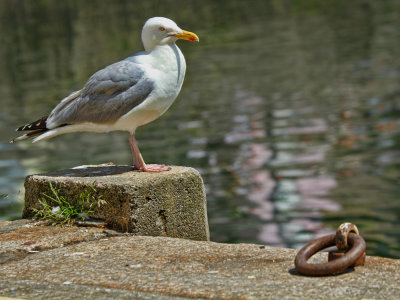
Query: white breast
x=166, y=66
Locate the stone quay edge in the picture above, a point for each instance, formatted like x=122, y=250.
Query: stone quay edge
x=70, y=262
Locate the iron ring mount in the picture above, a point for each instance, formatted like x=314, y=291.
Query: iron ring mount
x=353, y=255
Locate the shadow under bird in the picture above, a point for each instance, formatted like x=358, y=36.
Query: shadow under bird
x=126, y=94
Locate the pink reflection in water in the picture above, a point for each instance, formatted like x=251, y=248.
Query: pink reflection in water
x=260, y=154
x=318, y=204
x=264, y=186
x=309, y=158
x=316, y=186
x=290, y=216
x=269, y=234
x=316, y=126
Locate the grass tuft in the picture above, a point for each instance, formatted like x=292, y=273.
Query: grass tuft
x=64, y=211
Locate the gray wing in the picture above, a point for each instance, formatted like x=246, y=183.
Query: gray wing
x=109, y=94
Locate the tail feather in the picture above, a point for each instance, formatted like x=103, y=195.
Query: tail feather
x=28, y=135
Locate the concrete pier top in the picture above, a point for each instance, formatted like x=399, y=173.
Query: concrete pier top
x=53, y=262
x=171, y=203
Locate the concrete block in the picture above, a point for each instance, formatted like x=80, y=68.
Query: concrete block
x=169, y=203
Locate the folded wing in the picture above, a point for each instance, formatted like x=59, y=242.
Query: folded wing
x=109, y=94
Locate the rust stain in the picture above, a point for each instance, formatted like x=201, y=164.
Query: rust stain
x=29, y=243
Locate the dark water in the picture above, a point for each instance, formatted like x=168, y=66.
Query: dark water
x=290, y=109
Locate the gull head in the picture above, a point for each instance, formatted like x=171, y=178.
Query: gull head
x=162, y=31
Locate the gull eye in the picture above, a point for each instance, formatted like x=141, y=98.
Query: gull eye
x=161, y=28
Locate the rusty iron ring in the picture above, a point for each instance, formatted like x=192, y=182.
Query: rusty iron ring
x=357, y=249
x=342, y=234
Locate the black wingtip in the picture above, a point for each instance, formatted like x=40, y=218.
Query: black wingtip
x=38, y=124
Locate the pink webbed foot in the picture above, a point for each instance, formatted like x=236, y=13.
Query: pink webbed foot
x=154, y=168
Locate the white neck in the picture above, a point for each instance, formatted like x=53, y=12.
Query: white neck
x=169, y=59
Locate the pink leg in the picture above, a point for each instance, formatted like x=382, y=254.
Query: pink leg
x=138, y=162
x=135, y=152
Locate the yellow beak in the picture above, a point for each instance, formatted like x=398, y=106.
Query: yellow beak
x=186, y=35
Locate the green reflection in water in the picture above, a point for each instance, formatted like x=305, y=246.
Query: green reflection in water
x=290, y=109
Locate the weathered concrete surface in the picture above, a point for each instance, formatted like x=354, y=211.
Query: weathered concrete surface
x=169, y=203
x=137, y=267
x=21, y=238
x=28, y=289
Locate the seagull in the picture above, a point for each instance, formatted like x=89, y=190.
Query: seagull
x=124, y=95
